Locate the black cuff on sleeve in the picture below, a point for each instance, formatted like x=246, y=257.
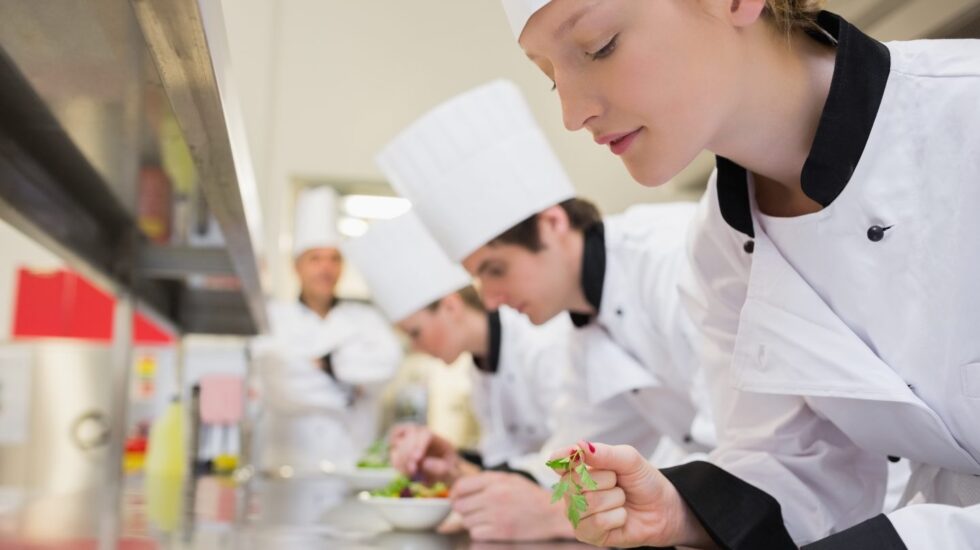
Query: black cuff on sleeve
x=503, y=467
x=877, y=533
x=735, y=514
x=471, y=456
x=327, y=366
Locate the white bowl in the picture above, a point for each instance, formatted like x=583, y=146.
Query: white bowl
x=369, y=479
x=410, y=514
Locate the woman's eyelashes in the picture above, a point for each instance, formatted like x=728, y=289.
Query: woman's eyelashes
x=606, y=50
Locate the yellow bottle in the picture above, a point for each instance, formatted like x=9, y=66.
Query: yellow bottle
x=166, y=466
x=167, y=452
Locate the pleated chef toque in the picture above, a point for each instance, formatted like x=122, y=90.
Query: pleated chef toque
x=404, y=267
x=475, y=166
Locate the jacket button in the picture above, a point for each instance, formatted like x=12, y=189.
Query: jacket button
x=877, y=232
x=749, y=247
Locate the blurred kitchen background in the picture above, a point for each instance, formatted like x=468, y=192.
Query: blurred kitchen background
x=150, y=156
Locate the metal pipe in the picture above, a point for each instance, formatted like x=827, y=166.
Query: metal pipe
x=122, y=360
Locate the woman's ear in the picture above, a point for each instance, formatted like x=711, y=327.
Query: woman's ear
x=746, y=12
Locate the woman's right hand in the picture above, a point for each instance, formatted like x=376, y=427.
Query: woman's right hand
x=634, y=504
x=415, y=451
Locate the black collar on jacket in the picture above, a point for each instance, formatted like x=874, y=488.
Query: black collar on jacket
x=860, y=74
x=593, y=271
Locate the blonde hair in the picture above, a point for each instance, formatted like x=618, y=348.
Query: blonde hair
x=790, y=15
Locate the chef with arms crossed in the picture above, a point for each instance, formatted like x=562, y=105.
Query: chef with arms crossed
x=484, y=180
x=322, y=368
x=836, y=256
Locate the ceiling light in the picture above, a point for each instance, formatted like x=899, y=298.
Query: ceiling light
x=374, y=207
x=352, y=227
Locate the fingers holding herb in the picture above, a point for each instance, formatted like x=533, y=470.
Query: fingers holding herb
x=562, y=463
x=582, y=471
x=575, y=480
x=634, y=505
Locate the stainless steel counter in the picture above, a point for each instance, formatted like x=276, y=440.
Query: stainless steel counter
x=215, y=513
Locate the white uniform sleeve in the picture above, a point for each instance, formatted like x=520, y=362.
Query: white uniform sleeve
x=370, y=355
x=931, y=526
x=777, y=443
x=492, y=437
x=668, y=273
x=577, y=416
x=363, y=353
x=293, y=384
x=549, y=366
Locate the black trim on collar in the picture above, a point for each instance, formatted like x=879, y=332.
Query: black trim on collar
x=593, y=271
x=858, y=85
x=733, y=196
x=491, y=362
x=861, y=70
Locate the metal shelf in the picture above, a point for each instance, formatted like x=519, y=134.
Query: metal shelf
x=79, y=199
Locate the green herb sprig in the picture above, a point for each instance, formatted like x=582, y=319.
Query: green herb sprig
x=569, y=487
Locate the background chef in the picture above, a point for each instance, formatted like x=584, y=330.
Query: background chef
x=323, y=366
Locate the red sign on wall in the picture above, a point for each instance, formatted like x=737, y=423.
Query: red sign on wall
x=63, y=304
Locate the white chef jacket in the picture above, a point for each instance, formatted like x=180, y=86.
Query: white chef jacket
x=638, y=349
x=851, y=334
x=516, y=386
x=534, y=402
x=311, y=416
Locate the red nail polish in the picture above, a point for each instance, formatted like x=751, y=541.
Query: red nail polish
x=591, y=447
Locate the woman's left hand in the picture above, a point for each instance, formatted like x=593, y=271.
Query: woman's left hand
x=633, y=504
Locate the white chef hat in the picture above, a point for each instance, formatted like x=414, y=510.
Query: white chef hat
x=475, y=166
x=403, y=266
x=519, y=11
x=316, y=220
